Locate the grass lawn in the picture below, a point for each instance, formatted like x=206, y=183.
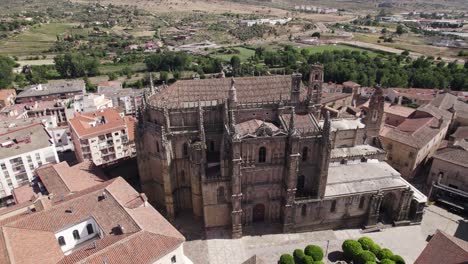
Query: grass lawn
x=35, y=40
x=317, y=49
x=243, y=54
x=108, y=68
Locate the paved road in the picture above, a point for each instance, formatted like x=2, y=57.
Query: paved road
x=407, y=241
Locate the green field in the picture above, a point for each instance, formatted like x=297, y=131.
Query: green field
x=317, y=49
x=108, y=68
x=34, y=40
x=243, y=54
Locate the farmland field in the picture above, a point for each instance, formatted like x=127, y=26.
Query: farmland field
x=34, y=41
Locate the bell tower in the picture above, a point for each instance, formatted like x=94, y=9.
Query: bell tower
x=374, y=117
x=314, y=91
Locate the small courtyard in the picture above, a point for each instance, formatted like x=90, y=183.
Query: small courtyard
x=407, y=241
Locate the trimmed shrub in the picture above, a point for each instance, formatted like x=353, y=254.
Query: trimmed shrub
x=318, y=262
x=385, y=254
x=371, y=262
x=374, y=248
x=314, y=251
x=398, y=259
x=299, y=256
x=308, y=260
x=365, y=242
x=351, y=248
x=286, y=259
x=364, y=257
x=387, y=261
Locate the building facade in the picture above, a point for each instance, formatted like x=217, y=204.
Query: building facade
x=91, y=103
x=103, y=136
x=256, y=150
x=21, y=152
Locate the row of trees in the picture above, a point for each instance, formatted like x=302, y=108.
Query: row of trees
x=181, y=61
x=387, y=70
x=75, y=65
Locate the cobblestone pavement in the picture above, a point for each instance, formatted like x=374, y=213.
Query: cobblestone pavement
x=407, y=241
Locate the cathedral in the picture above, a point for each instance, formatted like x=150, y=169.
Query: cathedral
x=239, y=151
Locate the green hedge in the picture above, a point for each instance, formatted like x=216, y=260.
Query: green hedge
x=385, y=254
x=374, y=248
x=299, y=256
x=387, y=261
x=351, y=248
x=286, y=259
x=314, y=251
x=398, y=259
x=364, y=257
x=366, y=242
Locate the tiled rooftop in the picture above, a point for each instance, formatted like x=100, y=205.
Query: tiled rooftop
x=106, y=121
x=147, y=235
x=444, y=248
x=249, y=89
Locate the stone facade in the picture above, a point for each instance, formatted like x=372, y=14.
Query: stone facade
x=214, y=148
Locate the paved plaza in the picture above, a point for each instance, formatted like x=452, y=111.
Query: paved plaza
x=407, y=241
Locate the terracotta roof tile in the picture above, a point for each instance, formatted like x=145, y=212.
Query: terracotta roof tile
x=443, y=248
x=249, y=89
x=23, y=194
x=147, y=235
x=112, y=121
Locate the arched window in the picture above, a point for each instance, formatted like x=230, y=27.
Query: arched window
x=361, y=202
x=300, y=184
x=157, y=146
x=304, y=210
x=333, y=206
x=90, y=229
x=61, y=241
x=220, y=195
x=76, y=235
x=305, y=150
x=185, y=149
x=262, y=155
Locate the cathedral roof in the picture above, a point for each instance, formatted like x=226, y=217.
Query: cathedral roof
x=249, y=89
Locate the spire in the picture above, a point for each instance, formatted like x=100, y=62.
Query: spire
x=233, y=92
x=326, y=128
x=292, y=126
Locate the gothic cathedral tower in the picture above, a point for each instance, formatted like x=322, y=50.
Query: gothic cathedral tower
x=314, y=91
x=373, y=119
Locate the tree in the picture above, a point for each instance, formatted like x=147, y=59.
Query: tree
x=112, y=76
x=6, y=72
x=384, y=30
x=74, y=65
x=387, y=261
x=365, y=242
x=299, y=256
x=235, y=63
x=316, y=34
x=314, y=251
x=400, y=30
x=164, y=76
x=405, y=53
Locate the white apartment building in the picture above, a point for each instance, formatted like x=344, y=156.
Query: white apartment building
x=21, y=152
x=91, y=102
x=103, y=136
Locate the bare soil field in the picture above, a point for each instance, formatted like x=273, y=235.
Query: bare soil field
x=216, y=6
